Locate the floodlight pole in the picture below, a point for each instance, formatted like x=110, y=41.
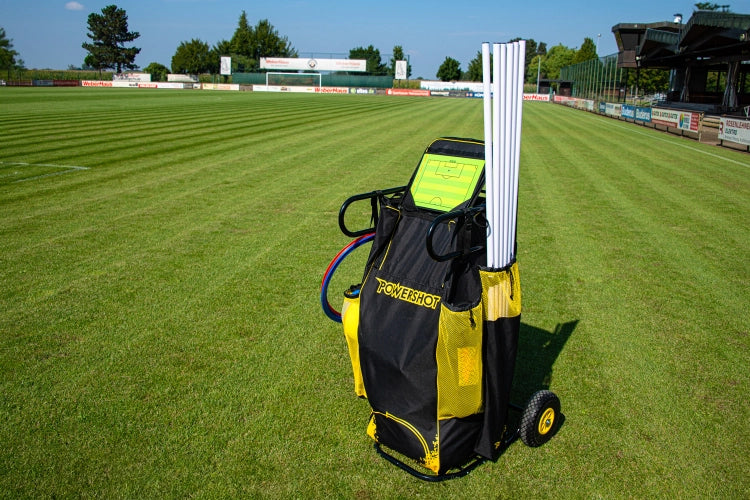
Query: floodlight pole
x=538, y=70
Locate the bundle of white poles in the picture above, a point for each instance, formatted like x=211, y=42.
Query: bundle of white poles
x=503, y=102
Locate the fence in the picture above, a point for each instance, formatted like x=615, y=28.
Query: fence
x=597, y=79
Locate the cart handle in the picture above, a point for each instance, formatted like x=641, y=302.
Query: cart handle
x=373, y=197
x=464, y=213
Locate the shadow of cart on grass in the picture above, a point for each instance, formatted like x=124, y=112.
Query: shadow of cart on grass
x=537, y=352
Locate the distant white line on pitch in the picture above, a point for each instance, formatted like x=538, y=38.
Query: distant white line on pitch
x=65, y=169
x=685, y=146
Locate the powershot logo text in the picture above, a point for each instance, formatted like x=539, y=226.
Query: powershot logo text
x=407, y=294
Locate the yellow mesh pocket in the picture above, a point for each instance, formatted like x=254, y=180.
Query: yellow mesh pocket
x=459, y=362
x=501, y=293
x=350, y=320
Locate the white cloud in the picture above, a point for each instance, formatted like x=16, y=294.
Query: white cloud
x=73, y=6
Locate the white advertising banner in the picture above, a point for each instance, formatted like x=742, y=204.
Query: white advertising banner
x=221, y=86
x=177, y=77
x=226, y=65
x=735, y=130
x=400, y=70
x=613, y=109
x=302, y=64
x=284, y=88
x=438, y=85
x=161, y=85
x=683, y=120
x=131, y=77
x=668, y=117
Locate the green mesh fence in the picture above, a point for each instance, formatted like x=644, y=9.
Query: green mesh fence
x=597, y=79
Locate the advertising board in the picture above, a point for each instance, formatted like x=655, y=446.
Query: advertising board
x=683, y=120
x=643, y=114
x=409, y=92
x=301, y=63
x=283, y=88
x=96, y=83
x=536, y=97
x=734, y=130
x=613, y=109
x=221, y=86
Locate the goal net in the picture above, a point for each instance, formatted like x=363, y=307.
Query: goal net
x=294, y=79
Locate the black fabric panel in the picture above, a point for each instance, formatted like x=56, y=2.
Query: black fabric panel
x=398, y=329
x=467, y=148
x=398, y=437
x=499, y=357
x=457, y=439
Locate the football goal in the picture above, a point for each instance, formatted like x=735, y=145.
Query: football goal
x=294, y=79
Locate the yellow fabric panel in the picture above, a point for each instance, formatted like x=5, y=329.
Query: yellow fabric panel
x=501, y=293
x=350, y=320
x=459, y=363
x=371, y=429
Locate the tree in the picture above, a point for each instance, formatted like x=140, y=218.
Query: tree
x=648, y=80
x=475, y=69
x=158, y=72
x=536, y=68
x=586, y=52
x=268, y=43
x=532, y=48
x=711, y=6
x=558, y=57
x=109, y=34
x=242, y=40
x=450, y=70
x=249, y=44
x=192, y=58
x=7, y=54
x=372, y=56
x=398, y=55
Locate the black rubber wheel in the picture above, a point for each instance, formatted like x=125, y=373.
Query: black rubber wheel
x=541, y=418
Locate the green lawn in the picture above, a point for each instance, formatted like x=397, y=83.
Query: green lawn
x=160, y=329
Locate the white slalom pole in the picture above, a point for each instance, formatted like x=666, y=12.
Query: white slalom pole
x=504, y=118
x=489, y=170
x=498, y=53
x=512, y=70
x=518, y=98
x=515, y=99
x=503, y=104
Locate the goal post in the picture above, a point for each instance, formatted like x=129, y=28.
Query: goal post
x=294, y=79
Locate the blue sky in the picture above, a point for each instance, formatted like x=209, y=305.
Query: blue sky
x=49, y=33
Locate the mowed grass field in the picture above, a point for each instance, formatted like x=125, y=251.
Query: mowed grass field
x=160, y=328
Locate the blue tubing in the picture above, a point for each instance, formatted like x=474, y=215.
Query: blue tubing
x=353, y=245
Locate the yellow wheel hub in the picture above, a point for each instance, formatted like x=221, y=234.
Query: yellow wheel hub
x=545, y=423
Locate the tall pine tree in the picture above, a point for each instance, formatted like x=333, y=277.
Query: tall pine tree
x=109, y=33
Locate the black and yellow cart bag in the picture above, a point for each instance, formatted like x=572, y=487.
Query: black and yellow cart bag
x=432, y=332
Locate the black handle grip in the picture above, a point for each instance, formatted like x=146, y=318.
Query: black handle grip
x=456, y=214
x=372, y=196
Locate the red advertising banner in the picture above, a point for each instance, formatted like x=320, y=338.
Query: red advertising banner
x=95, y=83
x=536, y=97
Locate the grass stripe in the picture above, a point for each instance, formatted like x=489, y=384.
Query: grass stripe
x=160, y=327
